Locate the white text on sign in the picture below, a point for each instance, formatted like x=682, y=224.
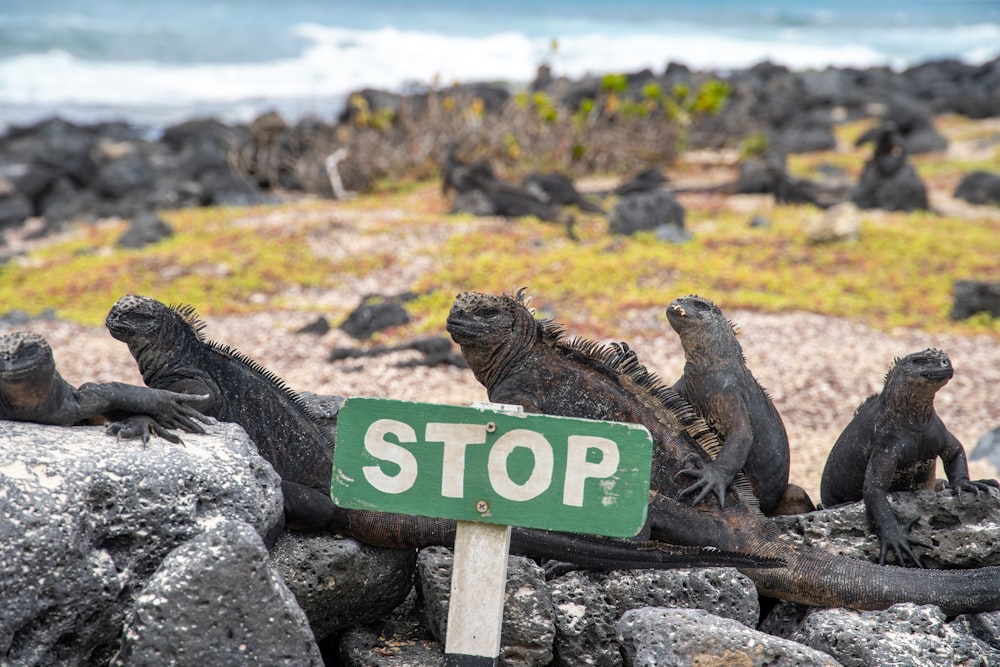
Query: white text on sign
x=456, y=438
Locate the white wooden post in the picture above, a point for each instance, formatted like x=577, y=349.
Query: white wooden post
x=478, y=584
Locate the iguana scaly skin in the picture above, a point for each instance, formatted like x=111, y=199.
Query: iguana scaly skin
x=720, y=386
x=892, y=444
x=172, y=353
x=32, y=390
x=528, y=362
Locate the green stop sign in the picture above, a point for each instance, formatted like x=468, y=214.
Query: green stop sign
x=494, y=466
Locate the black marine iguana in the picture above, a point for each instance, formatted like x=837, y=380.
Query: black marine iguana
x=32, y=390
x=720, y=386
x=892, y=444
x=169, y=347
x=528, y=362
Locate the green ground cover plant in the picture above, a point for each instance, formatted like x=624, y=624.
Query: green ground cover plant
x=899, y=274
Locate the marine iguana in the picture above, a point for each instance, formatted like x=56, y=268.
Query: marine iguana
x=169, y=346
x=720, y=386
x=554, y=188
x=529, y=362
x=32, y=390
x=891, y=444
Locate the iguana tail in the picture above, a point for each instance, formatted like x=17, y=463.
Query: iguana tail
x=587, y=551
x=817, y=577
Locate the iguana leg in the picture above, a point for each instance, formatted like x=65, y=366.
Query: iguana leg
x=169, y=409
x=715, y=476
x=956, y=467
x=892, y=535
x=309, y=509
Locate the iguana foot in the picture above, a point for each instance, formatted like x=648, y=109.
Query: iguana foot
x=978, y=487
x=897, y=539
x=140, y=426
x=708, y=480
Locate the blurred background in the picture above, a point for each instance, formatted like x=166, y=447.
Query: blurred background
x=158, y=63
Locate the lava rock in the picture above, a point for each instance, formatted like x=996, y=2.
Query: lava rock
x=216, y=600
x=656, y=636
x=341, y=583
x=528, y=627
x=906, y=634
x=87, y=520
x=979, y=187
x=645, y=211
x=963, y=529
x=146, y=229
x=974, y=296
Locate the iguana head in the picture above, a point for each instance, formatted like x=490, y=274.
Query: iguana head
x=25, y=354
x=491, y=330
x=27, y=370
x=705, y=333
x=141, y=321
x=929, y=368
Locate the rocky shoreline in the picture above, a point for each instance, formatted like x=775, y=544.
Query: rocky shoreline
x=55, y=171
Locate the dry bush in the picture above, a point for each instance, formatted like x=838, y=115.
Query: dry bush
x=527, y=133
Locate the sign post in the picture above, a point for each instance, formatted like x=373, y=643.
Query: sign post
x=489, y=468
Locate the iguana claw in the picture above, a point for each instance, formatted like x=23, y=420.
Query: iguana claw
x=901, y=544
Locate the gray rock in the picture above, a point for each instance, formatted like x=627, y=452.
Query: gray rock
x=14, y=209
x=63, y=201
x=963, y=529
x=366, y=647
x=722, y=591
x=783, y=618
x=687, y=637
x=904, y=635
x=585, y=621
x=985, y=627
x=528, y=626
x=87, y=519
x=146, y=228
x=125, y=175
x=645, y=211
x=401, y=640
x=979, y=187
x=341, y=583
x=215, y=600
x=975, y=296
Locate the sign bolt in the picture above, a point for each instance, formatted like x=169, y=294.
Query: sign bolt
x=490, y=427
x=482, y=507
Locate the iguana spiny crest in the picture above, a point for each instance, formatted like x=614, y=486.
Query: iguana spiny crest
x=494, y=330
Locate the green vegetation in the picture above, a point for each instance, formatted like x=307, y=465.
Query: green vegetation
x=229, y=261
x=899, y=274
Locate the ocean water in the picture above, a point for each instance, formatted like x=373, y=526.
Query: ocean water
x=156, y=62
